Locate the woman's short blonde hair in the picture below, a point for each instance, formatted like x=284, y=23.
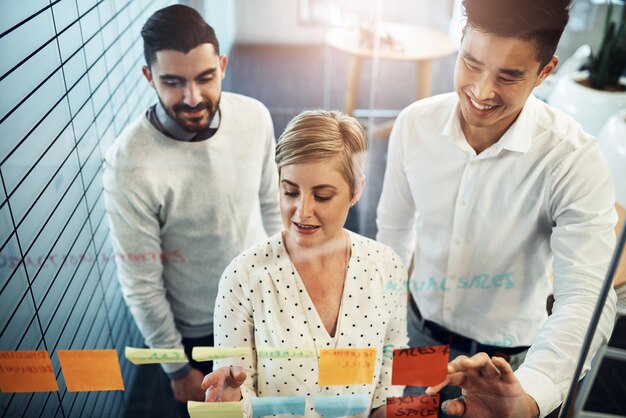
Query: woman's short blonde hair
x=316, y=135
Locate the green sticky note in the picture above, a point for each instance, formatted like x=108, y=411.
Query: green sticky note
x=155, y=355
x=214, y=353
x=278, y=352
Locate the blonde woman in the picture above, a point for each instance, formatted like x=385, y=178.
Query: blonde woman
x=315, y=285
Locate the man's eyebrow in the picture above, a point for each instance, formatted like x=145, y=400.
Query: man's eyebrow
x=470, y=57
x=511, y=72
x=205, y=73
x=171, y=77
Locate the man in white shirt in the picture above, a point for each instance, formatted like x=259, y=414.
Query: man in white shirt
x=492, y=191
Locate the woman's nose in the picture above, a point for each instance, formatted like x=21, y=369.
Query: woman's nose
x=305, y=207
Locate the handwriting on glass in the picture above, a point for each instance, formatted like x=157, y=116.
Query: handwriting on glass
x=423, y=406
x=479, y=281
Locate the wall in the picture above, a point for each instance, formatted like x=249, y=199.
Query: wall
x=273, y=21
x=222, y=16
x=276, y=21
x=70, y=80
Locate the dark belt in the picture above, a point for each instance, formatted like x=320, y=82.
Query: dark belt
x=462, y=343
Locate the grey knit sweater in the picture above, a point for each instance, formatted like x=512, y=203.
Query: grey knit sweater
x=179, y=212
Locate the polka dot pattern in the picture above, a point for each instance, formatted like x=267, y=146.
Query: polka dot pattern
x=263, y=302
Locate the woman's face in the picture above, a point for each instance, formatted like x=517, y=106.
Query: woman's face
x=314, y=202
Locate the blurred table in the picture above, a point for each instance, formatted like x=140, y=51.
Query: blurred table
x=396, y=41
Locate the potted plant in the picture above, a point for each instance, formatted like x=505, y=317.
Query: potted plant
x=605, y=72
x=594, y=94
x=606, y=68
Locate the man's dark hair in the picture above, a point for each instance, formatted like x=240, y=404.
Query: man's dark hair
x=541, y=21
x=176, y=27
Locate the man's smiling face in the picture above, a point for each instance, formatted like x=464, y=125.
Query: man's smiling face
x=493, y=78
x=189, y=85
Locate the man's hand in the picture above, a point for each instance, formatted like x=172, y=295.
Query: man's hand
x=489, y=387
x=188, y=388
x=222, y=385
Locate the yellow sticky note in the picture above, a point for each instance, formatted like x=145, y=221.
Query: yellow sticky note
x=346, y=366
x=214, y=353
x=155, y=355
x=214, y=409
x=26, y=371
x=91, y=370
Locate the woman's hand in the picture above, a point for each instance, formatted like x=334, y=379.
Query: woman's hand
x=379, y=412
x=222, y=385
x=489, y=387
x=188, y=388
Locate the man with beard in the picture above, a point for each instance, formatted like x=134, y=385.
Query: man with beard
x=188, y=186
x=493, y=192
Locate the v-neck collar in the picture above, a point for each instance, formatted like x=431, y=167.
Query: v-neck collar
x=312, y=316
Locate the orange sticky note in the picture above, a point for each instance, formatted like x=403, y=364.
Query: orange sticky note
x=26, y=371
x=423, y=406
x=420, y=366
x=346, y=366
x=91, y=370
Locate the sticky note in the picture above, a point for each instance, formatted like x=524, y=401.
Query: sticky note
x=346, y=366
x=277, y=352
x=341, y=406
x=155, y=355
x=214, y=353
x=271, y=405
x=91, y=370
x=26, y=371
x=420, y=366
x=214, y=409
x=423, y=406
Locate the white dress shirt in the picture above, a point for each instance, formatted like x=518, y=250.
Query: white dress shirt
x=488, y=230
x=262, y=302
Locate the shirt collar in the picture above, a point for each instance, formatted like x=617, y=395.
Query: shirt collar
x=174, y=130
x=452, y=128
x=517, y=138
x=519, y=135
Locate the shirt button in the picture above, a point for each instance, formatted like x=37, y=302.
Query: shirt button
x=461, y=203
x=457, y=242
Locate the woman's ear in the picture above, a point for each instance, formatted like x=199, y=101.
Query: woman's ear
x=358, y=190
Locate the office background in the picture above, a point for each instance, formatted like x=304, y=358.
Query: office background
x=70, y=81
